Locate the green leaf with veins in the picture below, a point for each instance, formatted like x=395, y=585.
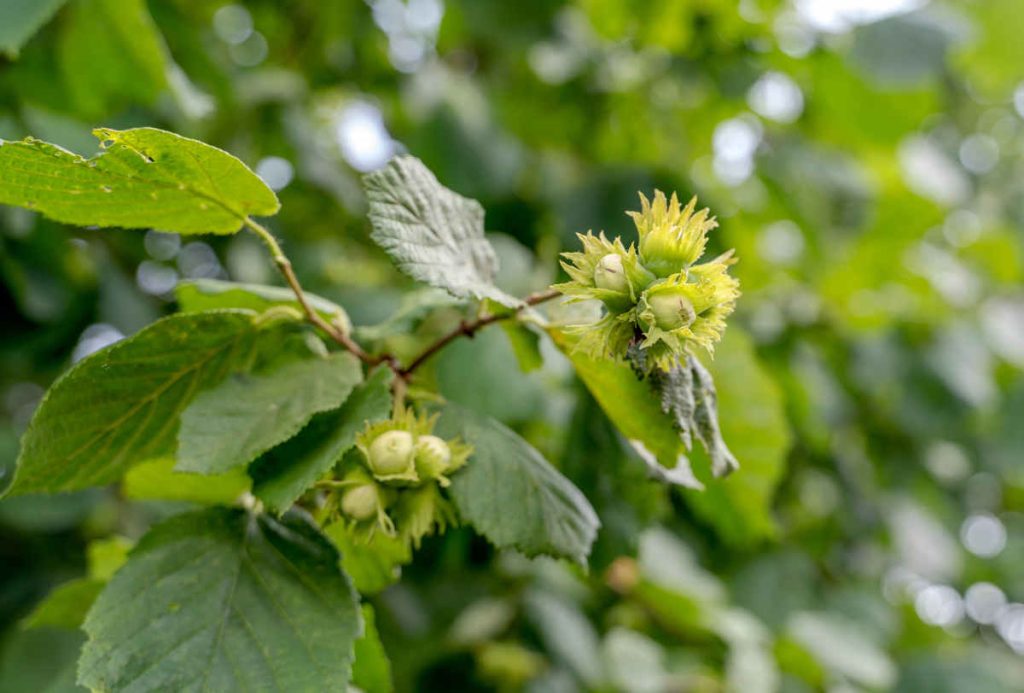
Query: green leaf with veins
x=145, y=178
x=224, y=600
x=433, y=234
x=513, y=496
x=120, y=406
x=230, y=425
x=207, y=294
x=290, y=469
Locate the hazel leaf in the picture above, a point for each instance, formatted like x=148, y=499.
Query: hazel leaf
x=145, y=178
x=432, y=234
x=233, y=423
x=513, y=496
x=221, y=599
x=121, y=406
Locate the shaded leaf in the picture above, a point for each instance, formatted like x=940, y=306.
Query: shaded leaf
x=372, y=564
x=111, y=53
x=433, y=234
x=145, y=178
x=636, y=411
x=208, y=294
x=371, y=670
x=513, y=496
x=230, y=425
x=65, y=606
x=20, y=19
x=289, y=470
x=120, y=406
x=41, y=660
x=223, y=600
x=753, y=420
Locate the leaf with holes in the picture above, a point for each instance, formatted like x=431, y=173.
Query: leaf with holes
x=433, y=234
x=513, y=496
x=224, y=600
x=229, y=425
x=120, y=406
x=145, y=178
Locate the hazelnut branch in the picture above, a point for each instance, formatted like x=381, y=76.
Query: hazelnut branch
x=332, y=331
x=468, y=328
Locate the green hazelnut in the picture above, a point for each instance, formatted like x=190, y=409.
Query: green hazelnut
x=362, y=502
x=432, y=456
x=671, y=310
x=391, y=453
x=610, y=274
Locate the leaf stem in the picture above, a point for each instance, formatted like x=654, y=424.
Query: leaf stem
x=468, y=328
x=285, y=266
x=465, y=328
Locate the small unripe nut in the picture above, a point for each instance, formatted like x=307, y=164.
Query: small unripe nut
x=432, y=456
x=361, y=502
x=610, y=274
x=671, y=311
x=391, y=452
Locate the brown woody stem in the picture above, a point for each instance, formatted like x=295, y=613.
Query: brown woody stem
x=467, y=328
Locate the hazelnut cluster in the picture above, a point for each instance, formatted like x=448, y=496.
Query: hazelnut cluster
x=655, y=295
x=391, y=482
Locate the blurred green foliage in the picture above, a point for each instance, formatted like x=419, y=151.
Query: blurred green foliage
x=866, y=165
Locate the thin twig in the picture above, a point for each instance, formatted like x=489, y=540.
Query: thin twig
x=467, y=328
x=285, y=266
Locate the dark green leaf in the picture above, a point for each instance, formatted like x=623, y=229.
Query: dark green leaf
x=145, y=178
x=120, y=406
x=41, y=660
x=433, y=234
x=230, y=425
x=289, y=470
x=513, y=496
x=224, y=600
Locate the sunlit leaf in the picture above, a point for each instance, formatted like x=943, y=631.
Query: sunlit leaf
x=145, y=178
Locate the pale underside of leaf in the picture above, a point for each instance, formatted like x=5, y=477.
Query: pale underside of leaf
x=433, y=234
x=145, y=178
x=221, y=600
